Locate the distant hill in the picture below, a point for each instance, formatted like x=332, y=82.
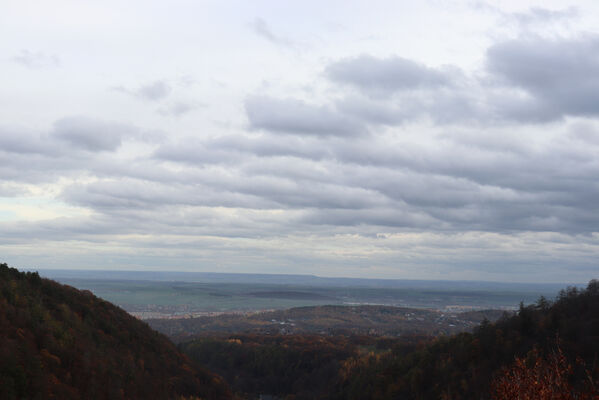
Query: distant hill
x=328, y=320
x=57, y=342
x=297, y=280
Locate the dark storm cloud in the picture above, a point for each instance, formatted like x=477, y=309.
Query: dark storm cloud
x=561, y=77
x=297, y=117
x=385, y=76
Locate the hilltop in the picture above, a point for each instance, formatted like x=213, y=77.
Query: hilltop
x=59, y=342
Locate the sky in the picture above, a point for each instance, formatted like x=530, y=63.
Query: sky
x=453, y=140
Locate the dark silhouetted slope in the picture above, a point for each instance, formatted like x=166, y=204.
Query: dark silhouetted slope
x=464, y=366
x=59, y=342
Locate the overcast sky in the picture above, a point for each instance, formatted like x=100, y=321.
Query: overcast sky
x=389, y=139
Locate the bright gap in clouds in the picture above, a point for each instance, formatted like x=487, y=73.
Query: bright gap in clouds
x=390, y=139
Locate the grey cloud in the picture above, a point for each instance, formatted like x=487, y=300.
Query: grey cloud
x=10, y=189
x=560, y=76
x=219, y=190
x=36, y=60
x=233, y=149
x=532, y=16
x=496, y=164
x=290, y=193
x=513, y=106
x=443, y=107
x=194, y=152
x=297, y=117
x=386, y=76
x=274, y=146
x=153, y=91
x=467, y=181
x=125, y=193
x=74, y=146
x=394, y=91
x=89, y=228
x=90, y=134
x=391, y=217
x=170, y=223
x=585, y=132
x=261, y=28
x=543, y=15
x=377, y=112
x=459, y=185
x=529, y=80
x=180, y=108
x=136, y=198
x=21, y=142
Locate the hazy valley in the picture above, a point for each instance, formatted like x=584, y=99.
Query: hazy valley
x=60, y=341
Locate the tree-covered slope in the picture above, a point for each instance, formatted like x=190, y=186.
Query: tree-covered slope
x=59, y=342
x=466, y=366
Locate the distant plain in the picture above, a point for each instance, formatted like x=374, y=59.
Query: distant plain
x=172, y=294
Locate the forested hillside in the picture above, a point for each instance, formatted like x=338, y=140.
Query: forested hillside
x=59, y=342
x=555, y=344
x=299, y=367
x=548, y=350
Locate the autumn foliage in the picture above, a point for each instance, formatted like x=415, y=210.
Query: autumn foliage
x=539, y=378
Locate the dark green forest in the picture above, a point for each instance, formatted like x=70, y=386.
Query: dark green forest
x=61, y=343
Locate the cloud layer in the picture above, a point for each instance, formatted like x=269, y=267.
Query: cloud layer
x=365, y=164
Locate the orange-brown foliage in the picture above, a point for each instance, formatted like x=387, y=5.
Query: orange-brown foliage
x=539, y=378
